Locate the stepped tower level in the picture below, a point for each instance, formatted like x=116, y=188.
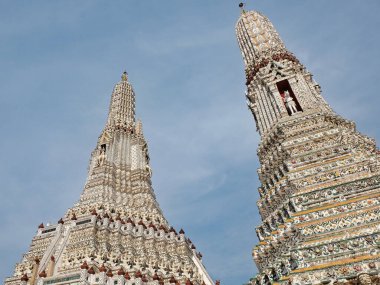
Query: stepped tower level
x=320, y=178
x=116, y=233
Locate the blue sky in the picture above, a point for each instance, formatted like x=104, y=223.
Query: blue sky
x=59, y=61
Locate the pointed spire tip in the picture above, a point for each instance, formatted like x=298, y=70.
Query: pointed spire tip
x=124, y=76
x=241, y=5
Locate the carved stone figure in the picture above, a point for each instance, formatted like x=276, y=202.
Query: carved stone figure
x=101, y=157
x=290, y=104
x=259, y=233
x=149, y=170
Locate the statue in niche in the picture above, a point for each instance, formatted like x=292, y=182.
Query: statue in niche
x=280, y=219
x=284, y=270
x=148, y=170
x=293, y=262
x=289, y=103
x=102, y=157
x=260, y=233
x=274, y=274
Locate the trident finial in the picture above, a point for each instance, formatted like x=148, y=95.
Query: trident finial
x=124, y=76
x=241, y=5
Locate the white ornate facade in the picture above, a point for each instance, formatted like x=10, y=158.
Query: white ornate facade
x=320, y=178
x=116, y=234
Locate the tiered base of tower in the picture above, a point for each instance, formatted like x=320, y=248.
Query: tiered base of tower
x=320, y=203
x=104, y=248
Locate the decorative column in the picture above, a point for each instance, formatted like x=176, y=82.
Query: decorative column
x=34, y=271
x=42, y=276
x=120, y=276
x=50, y=267
x=102, y=275
x=83, y=273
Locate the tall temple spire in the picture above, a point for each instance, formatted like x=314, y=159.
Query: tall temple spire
x=280, y=74
x=119, y=167
x=116, y=233
x=320, y=178
x=122, y=107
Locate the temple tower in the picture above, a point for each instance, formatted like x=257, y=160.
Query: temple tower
x=116, y=233
x=320, y=178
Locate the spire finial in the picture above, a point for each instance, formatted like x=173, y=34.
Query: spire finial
x=241, y=5
x=124, y=76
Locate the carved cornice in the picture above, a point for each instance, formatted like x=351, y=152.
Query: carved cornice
x=253, y=69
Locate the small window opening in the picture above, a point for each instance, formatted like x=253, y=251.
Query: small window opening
x=288, y=98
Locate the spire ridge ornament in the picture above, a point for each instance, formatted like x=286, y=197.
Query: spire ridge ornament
x=122, y=107
x=124, y=76
x=241, y=6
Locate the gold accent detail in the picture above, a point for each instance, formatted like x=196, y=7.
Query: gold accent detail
x=339, y=262
x=337, y=216
x=335, y=236
x=337, y=204
x=335, y=182
x=321, y=163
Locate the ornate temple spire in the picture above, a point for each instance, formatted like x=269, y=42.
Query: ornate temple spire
x=119, y=168
x=257, y=37
x=278, y=84
x=122, y=107
x=319, y=176
x=116, y=233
